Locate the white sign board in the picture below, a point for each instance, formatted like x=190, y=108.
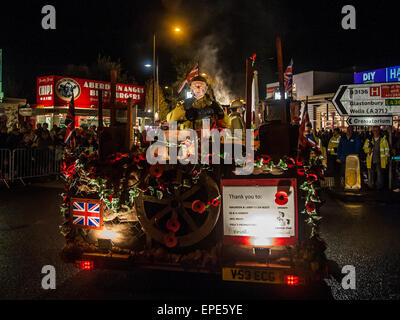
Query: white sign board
x=25, y=112
x=370, y=121
x=253, y=211
x=374, y=99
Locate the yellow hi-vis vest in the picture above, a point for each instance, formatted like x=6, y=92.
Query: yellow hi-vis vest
x=383, y=148
x=333, y=145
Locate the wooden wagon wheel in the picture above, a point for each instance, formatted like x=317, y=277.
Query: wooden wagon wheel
x=195, y=226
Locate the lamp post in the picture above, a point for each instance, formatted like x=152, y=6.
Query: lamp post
x=156, y=94
x=154, y=74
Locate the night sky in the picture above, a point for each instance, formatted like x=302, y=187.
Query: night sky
x=311, y=34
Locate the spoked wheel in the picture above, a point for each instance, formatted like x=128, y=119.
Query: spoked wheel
x=189, y=227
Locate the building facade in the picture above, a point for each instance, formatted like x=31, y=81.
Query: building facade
x=54, y=94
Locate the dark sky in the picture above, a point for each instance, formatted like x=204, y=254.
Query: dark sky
x=310, y=30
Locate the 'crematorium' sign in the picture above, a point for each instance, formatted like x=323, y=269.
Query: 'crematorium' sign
x=58, y=90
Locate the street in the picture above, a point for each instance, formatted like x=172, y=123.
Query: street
x=362, y=234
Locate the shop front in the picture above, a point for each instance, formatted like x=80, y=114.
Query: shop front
x=54, y=95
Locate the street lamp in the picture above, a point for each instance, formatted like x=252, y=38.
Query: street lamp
x=155, y=75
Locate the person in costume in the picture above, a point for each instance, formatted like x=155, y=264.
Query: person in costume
x=236, y=118
x=190, y=113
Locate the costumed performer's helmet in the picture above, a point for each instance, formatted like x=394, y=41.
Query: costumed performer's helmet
x=199, y=78
x=236, y=104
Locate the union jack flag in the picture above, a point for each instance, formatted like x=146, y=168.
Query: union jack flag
x=288, y=78
x=306, y=136
x=86, y=214
x=191, y=75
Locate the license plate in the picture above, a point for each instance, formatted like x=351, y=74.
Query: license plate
x=252, y=275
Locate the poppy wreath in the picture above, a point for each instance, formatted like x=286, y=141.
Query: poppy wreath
x=310, y=171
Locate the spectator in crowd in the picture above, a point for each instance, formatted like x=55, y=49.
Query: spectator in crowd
x=396, y=164
x=377, y=150
x=13, y=139
x=348, y=144
x=333, y=166
x=45, y=141
x=45, y=127
x=3, y=137
x=26, y=142
x=38, y=129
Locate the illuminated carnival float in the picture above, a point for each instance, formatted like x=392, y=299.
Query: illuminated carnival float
x=197, y=200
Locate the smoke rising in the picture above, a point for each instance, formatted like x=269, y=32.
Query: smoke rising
x=209, y=63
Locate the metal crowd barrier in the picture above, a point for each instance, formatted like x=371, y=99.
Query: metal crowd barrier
x=19, y=164
x=5, y=166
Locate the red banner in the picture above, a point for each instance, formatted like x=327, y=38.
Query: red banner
x=390, y=90
x=57, y=91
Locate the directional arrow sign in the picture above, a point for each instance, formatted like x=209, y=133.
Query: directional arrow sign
x=375, y=99
x=370, y=121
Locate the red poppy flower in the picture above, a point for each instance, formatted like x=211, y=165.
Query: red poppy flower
x=142, y=156
x=299, y=161
x=310, y=206
x=215, y=202
x=173, y=225
x=281, y=198
x=161, y=184
x=136, y=159
x=290, y=163
x=170, y=240
x=311, y=178
x=266, y=159
x=198, y=206
x=69, y=170
x=110, y=198
x=156, y=171
x=301, y=172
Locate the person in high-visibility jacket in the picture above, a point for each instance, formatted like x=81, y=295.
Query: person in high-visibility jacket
x=377, y=151
x=334, y=142
x=333, y=166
